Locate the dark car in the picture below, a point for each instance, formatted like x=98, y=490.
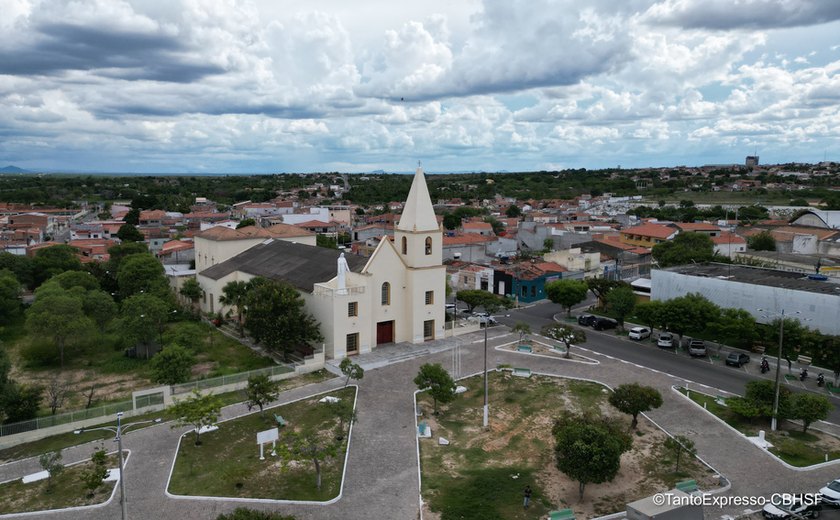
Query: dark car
x=736, y=359
x=586, y=320
x=604, y=324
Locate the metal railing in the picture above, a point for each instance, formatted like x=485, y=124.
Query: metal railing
x=65, y=418
x=212, y=382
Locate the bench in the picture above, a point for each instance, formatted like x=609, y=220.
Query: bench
x=563, y=514
x=804, y=360
x=522, y=372
x=280, y=421
x=524, y=348
x=687, y=486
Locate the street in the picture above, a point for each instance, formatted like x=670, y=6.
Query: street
x=647, y=354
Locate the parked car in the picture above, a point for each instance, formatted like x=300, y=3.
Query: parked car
x=666, y=340
x=795, y=509
x=696, y=348
x=586, y=320
x=737, y=359
x=831, y=493
x=639, y=333
x=483, y=317
x=604, y=324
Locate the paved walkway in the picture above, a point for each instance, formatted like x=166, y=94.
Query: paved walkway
x=382, y=475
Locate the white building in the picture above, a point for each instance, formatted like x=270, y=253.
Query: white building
x=815, y=303
x=395, y=295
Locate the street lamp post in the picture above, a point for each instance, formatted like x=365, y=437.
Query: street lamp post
x=118, y=430
x=775, y=419
x=486, y=415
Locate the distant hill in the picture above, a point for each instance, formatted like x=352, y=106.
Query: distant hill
x=13, y=169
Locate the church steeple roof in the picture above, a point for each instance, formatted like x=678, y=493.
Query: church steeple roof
x=418, y=213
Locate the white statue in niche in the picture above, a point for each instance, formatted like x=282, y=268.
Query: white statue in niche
x=343, y=269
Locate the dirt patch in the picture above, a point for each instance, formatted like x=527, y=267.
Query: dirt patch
x=522, y=411
x=78, y=382
x=200, y=370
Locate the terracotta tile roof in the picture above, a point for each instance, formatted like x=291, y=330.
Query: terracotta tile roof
x=318, y=224
x=550, y=267
x=275, y=231
x=176, y=245
x=481, y=226
x=696, y=226
x=650, y=230
x=467, y=239
x=728, y=238
x=155, y=214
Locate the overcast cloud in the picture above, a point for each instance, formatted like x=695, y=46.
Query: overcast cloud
x=291, y=85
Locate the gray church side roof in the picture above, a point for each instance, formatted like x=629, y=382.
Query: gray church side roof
x=300, y=265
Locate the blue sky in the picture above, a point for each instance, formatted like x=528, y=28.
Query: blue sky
x=331, y=85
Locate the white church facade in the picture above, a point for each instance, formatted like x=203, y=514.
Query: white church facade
x=395, y=295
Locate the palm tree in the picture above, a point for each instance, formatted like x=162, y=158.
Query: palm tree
x=234, y=294
x=192, y=291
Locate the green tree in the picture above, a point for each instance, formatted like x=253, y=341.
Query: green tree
x=196, y=410
x=132, y=217
x=689, y=313
x=192, y=291
x=566, y=293
x=521, y=328
x=477, y=298
x=51, y=463
x=601, y=287
x=144, y=317
x=276, y=317
x=19, y=402
x=100, y=307
x=809, y=408
x=21, y=266
x=513, y=211
x=308, y=446
x=54, y=260
x=10, y=290
x=438, y=382
x=235, y=294
x=351, y=371
x=568, y=335
x=172, y=365
x=498, y=227
x=245, y=222
x=548, y=245
x=685, y=248
x=142, y=273
x=737, y=326
x=650, y=313
x=129, y=233
x=634, y=399
x=679, y=444
x=344, y=411
x=69, y=279
x=61, y=318
x=261, y=390
x=93, y=476
x=762, y=241
x=588, y=449
x=621, y=301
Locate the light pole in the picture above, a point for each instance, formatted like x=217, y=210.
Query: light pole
x=774, y=421
x=486, y=415
x=118, y=430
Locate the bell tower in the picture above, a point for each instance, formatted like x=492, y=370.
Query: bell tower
x=417, y=236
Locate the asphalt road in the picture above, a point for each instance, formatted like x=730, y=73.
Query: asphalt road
x=646, y=353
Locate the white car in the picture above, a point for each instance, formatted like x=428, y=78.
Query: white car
x=666, y=340
x=639, y=333
x=831, y=493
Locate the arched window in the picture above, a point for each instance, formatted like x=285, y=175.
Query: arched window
x=428, y=245
x=404, y=245
x=386, y=293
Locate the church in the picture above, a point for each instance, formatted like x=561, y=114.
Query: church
x=395, y=295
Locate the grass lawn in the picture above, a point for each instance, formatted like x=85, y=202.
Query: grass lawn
x=227, y=464
x=65, y=440
x=482, y=474
x=789, y=442
x=67, y=491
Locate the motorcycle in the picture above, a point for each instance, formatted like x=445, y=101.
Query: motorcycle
x=820, y=380
x=765, y=366
x=803, y=375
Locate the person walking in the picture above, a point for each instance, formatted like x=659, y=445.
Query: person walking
x=527, y=495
